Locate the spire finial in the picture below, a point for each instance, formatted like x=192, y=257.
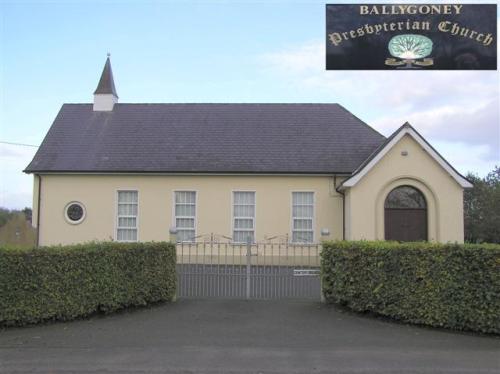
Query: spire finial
x=108, y=54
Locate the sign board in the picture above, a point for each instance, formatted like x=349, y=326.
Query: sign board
x=305, y=272
x=411, y=36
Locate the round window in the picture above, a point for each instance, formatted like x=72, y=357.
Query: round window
x=75, y=212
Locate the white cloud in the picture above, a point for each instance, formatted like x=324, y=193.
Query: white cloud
x=302, y=59
x=459, y=107
x=474, y=159
x=305, y=66
x=471, y=125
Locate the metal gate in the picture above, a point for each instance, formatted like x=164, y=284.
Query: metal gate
x=263, y=270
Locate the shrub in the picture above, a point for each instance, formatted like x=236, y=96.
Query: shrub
x=66, y=282
x=444, y=285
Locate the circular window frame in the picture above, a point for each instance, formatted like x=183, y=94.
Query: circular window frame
x=82, y=218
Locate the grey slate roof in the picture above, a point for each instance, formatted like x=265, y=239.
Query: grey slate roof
x=106, y=84
x=206, y=138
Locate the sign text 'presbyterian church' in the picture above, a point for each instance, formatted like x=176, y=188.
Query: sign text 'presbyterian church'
x=411, y=36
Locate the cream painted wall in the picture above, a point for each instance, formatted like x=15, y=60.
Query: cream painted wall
x=214, y=195
x=443, y=194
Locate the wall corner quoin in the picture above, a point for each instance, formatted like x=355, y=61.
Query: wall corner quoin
x=35, y=201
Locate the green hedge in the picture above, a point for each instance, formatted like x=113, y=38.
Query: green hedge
x=67, y=282
x=444, y=285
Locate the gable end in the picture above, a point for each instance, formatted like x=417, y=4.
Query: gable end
x=406, y=129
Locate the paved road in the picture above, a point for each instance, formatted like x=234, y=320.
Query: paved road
x=231, y=336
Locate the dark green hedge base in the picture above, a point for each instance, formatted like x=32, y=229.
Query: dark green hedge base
x=441, y=285
x=63, y=283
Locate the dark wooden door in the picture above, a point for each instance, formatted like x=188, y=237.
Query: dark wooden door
x=405, y=215
x=406, y=225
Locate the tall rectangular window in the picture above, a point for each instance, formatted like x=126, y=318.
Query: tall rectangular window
x=185, y=215
x=243, y=216
x=302, y=217
x=126, y=228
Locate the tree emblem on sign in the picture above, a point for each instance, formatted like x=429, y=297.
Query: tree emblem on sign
x=411, y=50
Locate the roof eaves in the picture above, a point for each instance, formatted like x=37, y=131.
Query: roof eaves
x=34, y=171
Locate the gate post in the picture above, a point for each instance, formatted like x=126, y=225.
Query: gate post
x=173, y=235
x=249, y=259
x=173, y=239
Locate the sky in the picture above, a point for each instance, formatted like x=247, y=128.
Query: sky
x=53, y=52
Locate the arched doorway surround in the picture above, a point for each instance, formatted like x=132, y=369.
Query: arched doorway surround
x=431, y=200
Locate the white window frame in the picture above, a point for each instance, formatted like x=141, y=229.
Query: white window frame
x=174, y=217
x=117, y=216
x=254, y=218
x=292, y=218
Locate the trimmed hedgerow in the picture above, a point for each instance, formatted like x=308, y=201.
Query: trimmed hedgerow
x=67, y=282
x=443, y=285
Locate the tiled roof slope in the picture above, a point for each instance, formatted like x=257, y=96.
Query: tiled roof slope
x=206, y=138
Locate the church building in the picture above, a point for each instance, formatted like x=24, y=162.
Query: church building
x=298, y=172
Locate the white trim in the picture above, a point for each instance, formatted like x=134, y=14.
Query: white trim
x=254, y=216
x=313, y=217
x=65, y=212
x=136, y=217
x=350, y=182
x=174, y=217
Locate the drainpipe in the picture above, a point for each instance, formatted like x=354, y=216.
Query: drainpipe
x=343, y=205
x=38, y=211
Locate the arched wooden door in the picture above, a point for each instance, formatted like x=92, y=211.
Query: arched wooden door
x=405, y=215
